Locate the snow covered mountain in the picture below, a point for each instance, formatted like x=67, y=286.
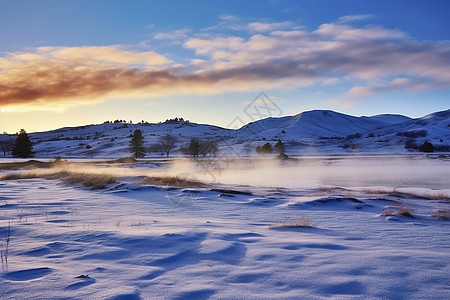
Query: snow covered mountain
x=310, y=132
x=319, y=123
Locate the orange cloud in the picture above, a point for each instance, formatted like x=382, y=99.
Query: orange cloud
x=278, y=59
x=67, y=76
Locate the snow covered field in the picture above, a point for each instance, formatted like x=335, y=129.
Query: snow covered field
x=358, y=227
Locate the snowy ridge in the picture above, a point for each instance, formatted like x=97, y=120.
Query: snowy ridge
x=310, y=132
x=321, y=123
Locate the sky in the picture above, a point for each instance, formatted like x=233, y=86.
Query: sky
x=69, y=63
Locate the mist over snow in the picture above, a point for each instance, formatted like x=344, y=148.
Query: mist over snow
x=235, y=226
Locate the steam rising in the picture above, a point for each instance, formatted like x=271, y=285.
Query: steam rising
x=308, y=172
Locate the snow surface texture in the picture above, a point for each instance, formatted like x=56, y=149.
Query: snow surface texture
x=314, y=132
x=135, y=241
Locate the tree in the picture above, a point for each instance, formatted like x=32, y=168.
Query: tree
x=427, y=147
x=156, y=148
x=280, y=147
x=265, y=149
x=194, y=147
x=137, y=144
x=167, y=142
x=209, y=147
x=7, y=146
x=22, y=146
x=411, y=144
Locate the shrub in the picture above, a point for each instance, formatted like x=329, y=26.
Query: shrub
x=413, y=133
x=397, y=211
x=426, y=147
x=442, y=148
x=280, y=148
x=353, y=136
x=351, y=146
x=411, y=144
x=264, y=149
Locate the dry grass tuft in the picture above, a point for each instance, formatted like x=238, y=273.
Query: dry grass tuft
x=399, y=194
x=32, y=164
x=439, y=196
x=123, y=160
x=172, y=182
x=397, y=211
x=303, y=222
x=90, y=180
x=18, y=176
x=32, y=175
x=442, y=213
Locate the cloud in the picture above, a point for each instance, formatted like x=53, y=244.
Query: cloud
x=369, y=60
x=226, y=17
x=359, y=92
x=70, y=74
x=172, y=35
x=345, y=32
x=267, y=27
x=353, y=18
x=351, y=97
x=232, y=23
x=53, y=78
x=113, y=55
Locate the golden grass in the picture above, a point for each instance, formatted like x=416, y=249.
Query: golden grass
x=439, y=197
x=397, y=193
x=90, y=180
x=30, y=164
x=172, y=182
x=442, y=213
x=303, y=222
x=397, y=211
x=18, y=176
x=34, y=174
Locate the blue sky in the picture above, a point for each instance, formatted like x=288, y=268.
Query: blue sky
x=65, y=63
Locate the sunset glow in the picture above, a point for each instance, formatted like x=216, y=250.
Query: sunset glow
x=357, y=61
x=212, y=149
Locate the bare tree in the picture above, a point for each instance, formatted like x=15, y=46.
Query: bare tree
x=167, y=143
x=7, y=146
x=209, y=147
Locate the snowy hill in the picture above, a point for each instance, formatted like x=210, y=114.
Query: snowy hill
x=319, y=123
x=112, y=139
x=307, y=133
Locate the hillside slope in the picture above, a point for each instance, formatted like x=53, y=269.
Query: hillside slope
x=308, y=133
x=319, y=123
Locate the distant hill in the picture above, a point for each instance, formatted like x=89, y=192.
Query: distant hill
x=319, y=123
x=307, y=133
